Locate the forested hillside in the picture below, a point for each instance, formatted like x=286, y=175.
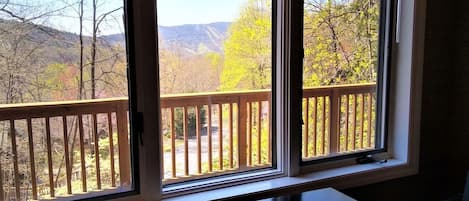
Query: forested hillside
x=50, y=70
x=43, y=64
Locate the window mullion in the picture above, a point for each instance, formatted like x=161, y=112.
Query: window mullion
x=142, y=15
x=293, y=85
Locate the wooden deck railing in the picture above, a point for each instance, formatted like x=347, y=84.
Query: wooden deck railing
x=338, y=119
x=243, y=114
x=203, y=135
x=64, y=119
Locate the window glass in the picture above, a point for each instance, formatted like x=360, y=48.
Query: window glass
x=215, y=65
x=64, y=127
x=340, y=77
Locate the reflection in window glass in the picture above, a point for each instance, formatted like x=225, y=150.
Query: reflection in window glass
x=215, y=73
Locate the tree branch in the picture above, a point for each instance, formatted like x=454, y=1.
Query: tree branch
x=101, y=17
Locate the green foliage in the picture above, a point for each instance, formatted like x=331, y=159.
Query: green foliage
x=264, y=146
x=90, y=158
x=191, y=121
x=248, y=59
x=341, y=42
x=52, y=76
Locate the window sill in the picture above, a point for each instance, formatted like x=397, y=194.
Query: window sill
x=340, y=178
x=204, y=185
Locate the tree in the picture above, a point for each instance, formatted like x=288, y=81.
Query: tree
x=248, y=50
x=97, y=20
x=171, y=66
x=26, y=47
x=22, y=44
x=340, y=40
x=59, y=82
x=95, y=54
x=81, y=82
x=216, y=62
x=183, y=72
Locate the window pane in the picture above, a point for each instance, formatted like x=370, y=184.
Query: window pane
x=63, y=99
x=215, y=73
x=340, y=76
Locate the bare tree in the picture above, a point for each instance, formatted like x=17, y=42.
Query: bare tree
x=81, y=85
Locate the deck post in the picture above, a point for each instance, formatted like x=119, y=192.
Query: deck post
x=123, y=141
x=242, y=140
x=334, y=123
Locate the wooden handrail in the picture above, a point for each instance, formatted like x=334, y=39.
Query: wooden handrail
x=58, y=109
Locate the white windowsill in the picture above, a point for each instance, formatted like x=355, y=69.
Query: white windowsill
x=338, y=178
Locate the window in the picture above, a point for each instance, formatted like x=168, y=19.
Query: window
x=344, y=76
x=64, y=101
x=287, y=93
x=216, y=71
x=173, y=118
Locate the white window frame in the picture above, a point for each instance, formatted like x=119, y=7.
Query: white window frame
x=403, y=119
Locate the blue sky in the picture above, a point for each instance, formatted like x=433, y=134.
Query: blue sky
x=170, y=13
x=177, y=12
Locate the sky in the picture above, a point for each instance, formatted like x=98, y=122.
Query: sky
x=170, y=13
x=177, y=12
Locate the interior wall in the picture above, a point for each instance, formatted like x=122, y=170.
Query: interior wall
x=460, y=97
x=444, y=143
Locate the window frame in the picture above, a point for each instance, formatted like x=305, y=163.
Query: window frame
x=386, y=31
x=404, y=60
x=134, y=94
x=143, y=58
x=137, y=66
x=403, y=120
x=278, y=111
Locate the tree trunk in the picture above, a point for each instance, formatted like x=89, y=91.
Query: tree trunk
x=80, y=84
x=93, y=53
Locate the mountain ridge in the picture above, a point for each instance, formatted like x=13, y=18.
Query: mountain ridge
x=191, y=38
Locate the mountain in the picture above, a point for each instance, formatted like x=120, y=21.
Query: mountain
x=191, y=38
x=195, y=38
x=36, y=33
